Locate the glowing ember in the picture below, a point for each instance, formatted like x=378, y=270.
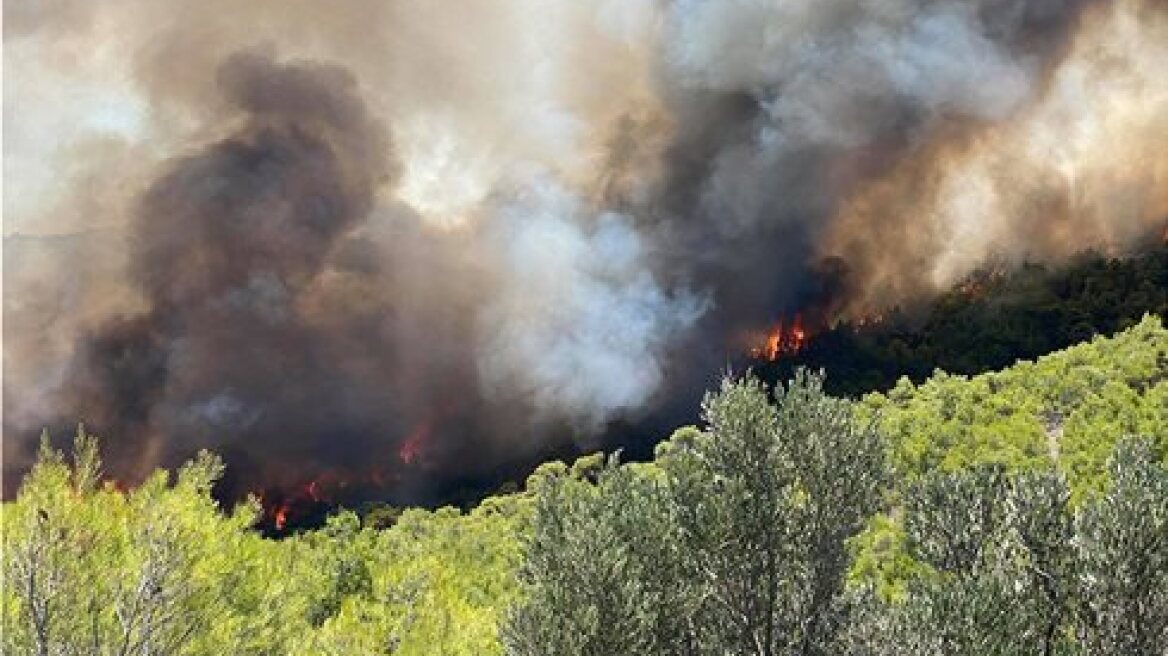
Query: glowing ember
x=798, y=336
x=415, y=444
x=280, y=517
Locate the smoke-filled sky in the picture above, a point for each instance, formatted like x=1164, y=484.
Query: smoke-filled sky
x=420, y=239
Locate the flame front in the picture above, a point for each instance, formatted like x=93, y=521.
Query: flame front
x=781, y=340
x=281, y=508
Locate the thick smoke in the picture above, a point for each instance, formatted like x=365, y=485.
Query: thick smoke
x=1082, y=165
x=578, y=322
x=408, y=242
x=229, y=247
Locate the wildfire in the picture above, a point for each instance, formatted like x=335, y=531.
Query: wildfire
x=292, y=504
x=979, y=283
x=414, y=445
x=279, y=508
x=781, y=340
x=285, y=508
x=280, y=517
x=298, y=503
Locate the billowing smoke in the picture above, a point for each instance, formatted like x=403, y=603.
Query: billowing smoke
x=578, y=322
x=1082, y=164
x=230, y=248
x=404, y=243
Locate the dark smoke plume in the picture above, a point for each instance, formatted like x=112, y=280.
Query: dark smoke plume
x=229, y=248
x=400, y=244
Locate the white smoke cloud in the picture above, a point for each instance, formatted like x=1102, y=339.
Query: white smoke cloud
x=519, y=90
x=944, y=61
x=579, y=325
x=1079, y=164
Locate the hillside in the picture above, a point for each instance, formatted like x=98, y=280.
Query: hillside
x=602, y=557
x=995, y=317
x=1071, y=406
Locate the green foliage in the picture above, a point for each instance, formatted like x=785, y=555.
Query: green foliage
x=1122, y=544
x=1019, y=519
x=161, y=570
x=598, y=573
x=93, y=571
x=976, y=595
x=435, y=583
x=1070, y=407
x=733, y=540
x=1011, y=567
x=952, y=520
x=1066, y=410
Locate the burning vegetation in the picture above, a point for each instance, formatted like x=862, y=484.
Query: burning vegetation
x=987, y=322
x=316, y=259
x=780, y=340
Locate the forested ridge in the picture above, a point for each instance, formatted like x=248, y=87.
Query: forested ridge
x=1018, y=512
x=994, y=317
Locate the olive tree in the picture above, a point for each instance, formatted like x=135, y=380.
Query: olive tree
x=733, y=541
x=1121, y=540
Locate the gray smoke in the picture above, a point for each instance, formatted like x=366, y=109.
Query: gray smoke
x=578, y=323
x=313, y=237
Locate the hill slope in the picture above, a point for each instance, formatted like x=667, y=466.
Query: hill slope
x=991, y=320
x=1072, y=405
x=162, y=567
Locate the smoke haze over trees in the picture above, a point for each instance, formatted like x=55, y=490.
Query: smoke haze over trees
x=307, y=266
x=403, y=242
x=948, y=527
x=988, y=321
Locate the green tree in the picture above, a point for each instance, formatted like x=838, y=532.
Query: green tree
x=599, y=569
x=1041, y=525
x=1122, y=543
x=1011, y=566
x=765, y=500
x=995, y=575
x=734, y=540
x=91, y=570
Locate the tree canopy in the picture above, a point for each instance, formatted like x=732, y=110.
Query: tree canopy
x=1018, y=512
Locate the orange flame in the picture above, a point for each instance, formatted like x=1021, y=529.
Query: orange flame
x=285, y=507
x=781, y=340
x=280, y=516
x=282, y=508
